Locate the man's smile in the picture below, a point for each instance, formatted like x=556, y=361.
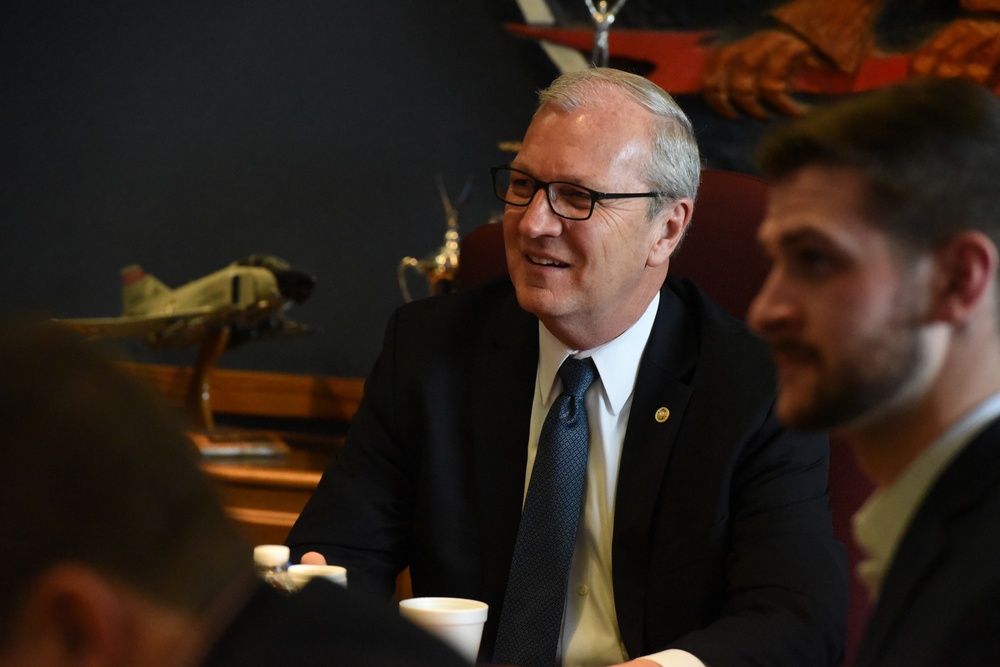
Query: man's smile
x=546, y=261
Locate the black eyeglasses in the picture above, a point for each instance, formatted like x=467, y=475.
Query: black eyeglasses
x=567, y=200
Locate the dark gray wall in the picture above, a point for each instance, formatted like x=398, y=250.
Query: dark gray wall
x=185, y=135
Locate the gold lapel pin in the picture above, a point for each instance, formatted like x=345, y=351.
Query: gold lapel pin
x=662, y=415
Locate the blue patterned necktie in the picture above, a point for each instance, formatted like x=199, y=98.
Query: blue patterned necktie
x=531, y=618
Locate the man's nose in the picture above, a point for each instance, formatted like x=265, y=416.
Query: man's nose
x=770, y=308
x=538, y=218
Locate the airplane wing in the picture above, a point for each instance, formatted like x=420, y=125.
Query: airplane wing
x=182, y=329
x=131, y=326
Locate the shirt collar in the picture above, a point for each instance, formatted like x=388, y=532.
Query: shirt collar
x=881, y=522
x=617, y=360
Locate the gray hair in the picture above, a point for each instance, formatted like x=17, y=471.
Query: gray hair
x=675, y=164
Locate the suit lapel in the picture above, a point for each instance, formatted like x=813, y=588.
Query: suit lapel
x=667, y=360
x=963, y=484
x=505, y=376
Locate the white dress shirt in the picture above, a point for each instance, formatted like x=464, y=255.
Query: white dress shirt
x=590, y=634
x=881, y=522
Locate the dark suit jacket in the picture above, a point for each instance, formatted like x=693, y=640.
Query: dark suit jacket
x=722, y=539
x=940, y=601
x=324, y=625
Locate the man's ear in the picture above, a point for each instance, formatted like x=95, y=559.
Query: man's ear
x=79, y=618
x=967, y=267
x=671, y=223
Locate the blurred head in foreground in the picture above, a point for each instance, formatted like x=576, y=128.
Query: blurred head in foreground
x=114, y=545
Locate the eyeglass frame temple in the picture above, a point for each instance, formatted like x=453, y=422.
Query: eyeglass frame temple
x=595, y=195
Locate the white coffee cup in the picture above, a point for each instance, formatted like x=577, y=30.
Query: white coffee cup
x=301, y=574
x=457, y=621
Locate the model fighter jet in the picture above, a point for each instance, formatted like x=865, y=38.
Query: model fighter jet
x=248, y=298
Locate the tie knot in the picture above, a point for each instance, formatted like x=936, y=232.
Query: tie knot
x=577, y=375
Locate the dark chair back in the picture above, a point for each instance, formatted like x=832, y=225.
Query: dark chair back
x=720, y=253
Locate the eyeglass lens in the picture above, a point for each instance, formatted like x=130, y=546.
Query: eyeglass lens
x=566, y=199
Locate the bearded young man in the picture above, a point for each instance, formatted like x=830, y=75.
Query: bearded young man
x=881, y=311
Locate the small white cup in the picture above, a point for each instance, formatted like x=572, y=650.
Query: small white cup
x=301, y=573
x=457, y=621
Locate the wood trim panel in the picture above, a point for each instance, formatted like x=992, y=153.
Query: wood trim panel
x=247, y=475
x=262, y=517
x=261, y=394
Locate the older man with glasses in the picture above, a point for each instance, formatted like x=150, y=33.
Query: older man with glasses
x=589, y=447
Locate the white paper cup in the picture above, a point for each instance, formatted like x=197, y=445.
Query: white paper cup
x=457, y=621
x=301, y=574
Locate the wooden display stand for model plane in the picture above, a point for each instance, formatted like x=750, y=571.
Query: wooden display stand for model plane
x=199, y=390
x=210, y=439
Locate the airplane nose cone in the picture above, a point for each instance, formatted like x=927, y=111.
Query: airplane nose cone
x=293, y=284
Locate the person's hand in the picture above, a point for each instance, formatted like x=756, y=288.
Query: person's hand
x=755, y=70
x=967, y=48
x=313, y=558
x=638, y=662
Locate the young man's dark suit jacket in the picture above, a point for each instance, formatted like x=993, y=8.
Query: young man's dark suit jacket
x=940, y=601
x=722, y=538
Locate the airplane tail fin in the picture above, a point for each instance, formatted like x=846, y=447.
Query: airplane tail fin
x=137, y=288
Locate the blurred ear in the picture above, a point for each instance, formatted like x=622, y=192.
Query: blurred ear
x=967, y=266
x=77, y=618
x=671, y=224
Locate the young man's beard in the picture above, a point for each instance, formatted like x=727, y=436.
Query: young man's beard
x=888, y=363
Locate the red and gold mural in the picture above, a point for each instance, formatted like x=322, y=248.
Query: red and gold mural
x=764, y=60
